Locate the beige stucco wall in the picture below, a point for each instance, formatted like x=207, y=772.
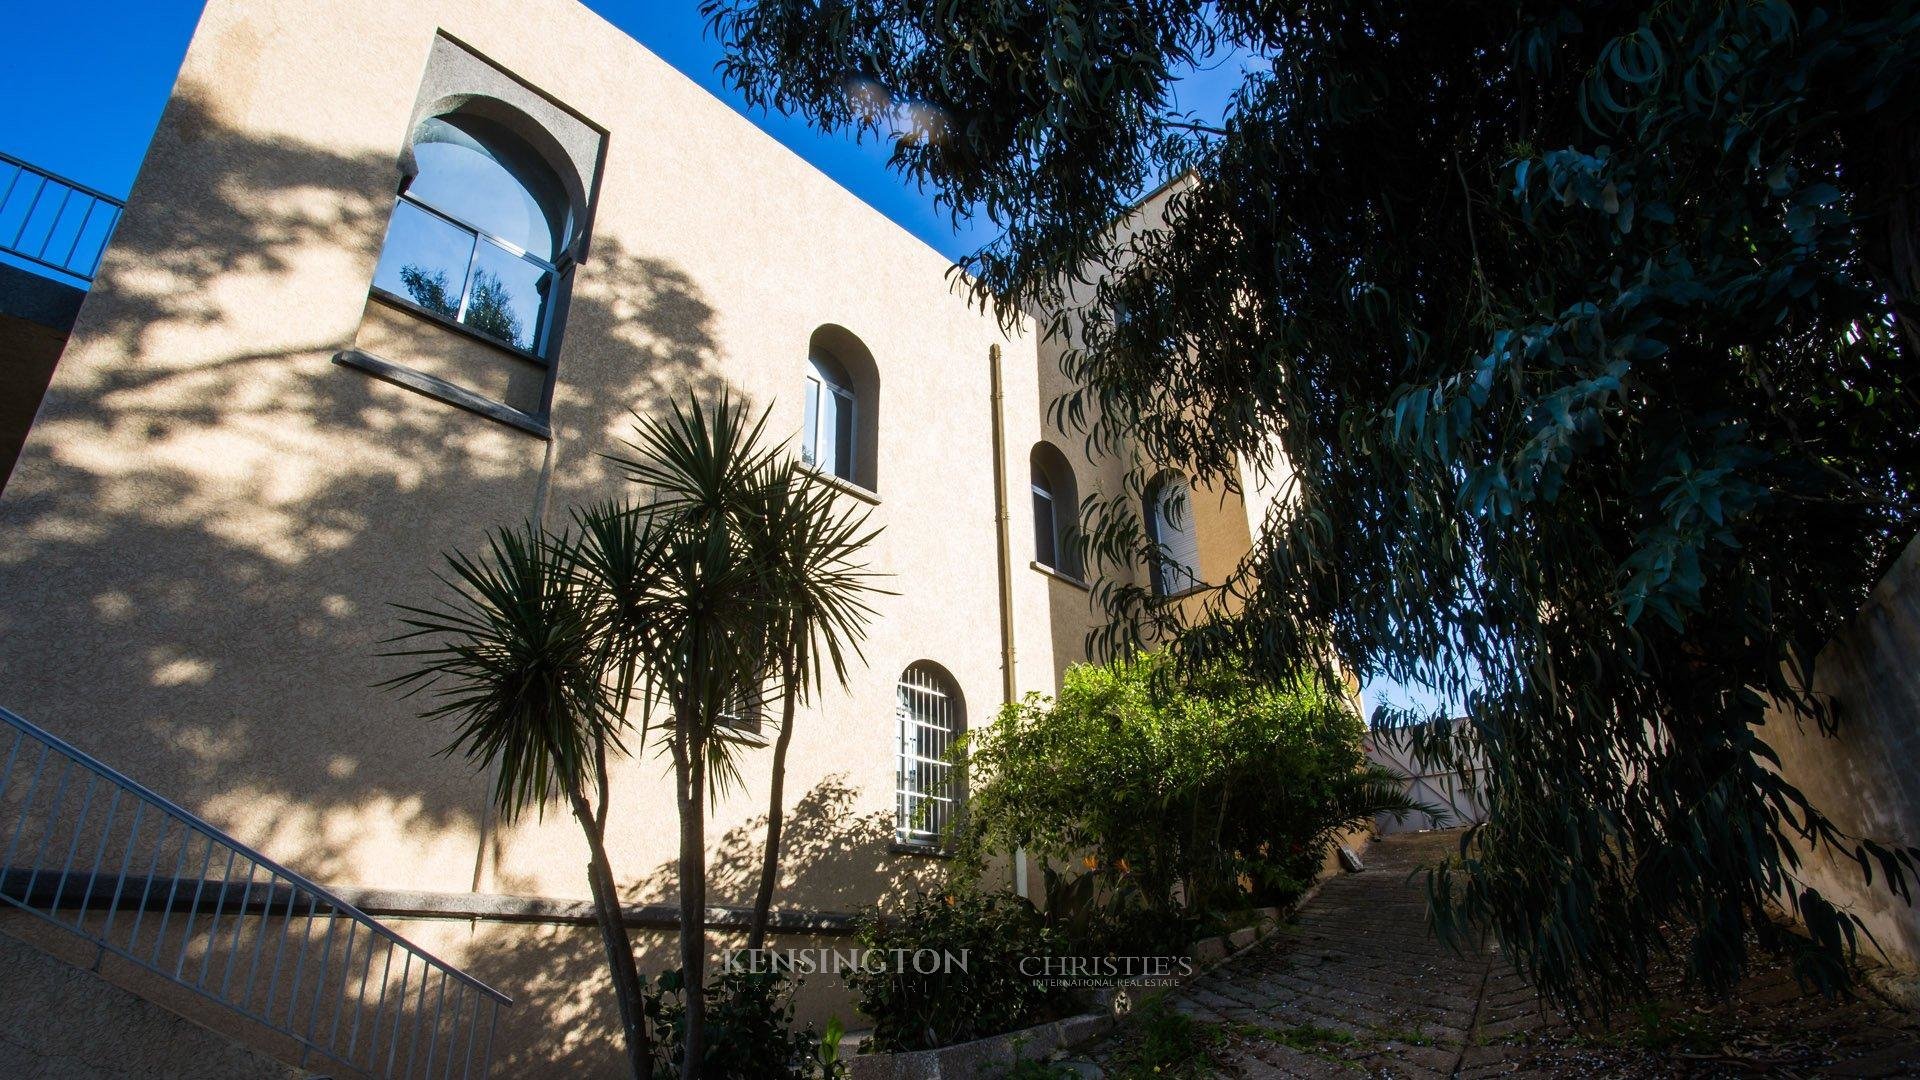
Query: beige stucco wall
x=110, y=1032
x=210, y=519
x=1867, y=776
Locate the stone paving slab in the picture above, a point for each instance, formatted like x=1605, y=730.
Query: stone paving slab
x=1358, y=986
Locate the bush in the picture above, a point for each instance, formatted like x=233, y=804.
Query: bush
x=749, y=1027
x=1186, y=800
x=912, y=1010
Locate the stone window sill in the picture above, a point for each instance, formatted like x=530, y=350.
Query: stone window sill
x=1060, y=576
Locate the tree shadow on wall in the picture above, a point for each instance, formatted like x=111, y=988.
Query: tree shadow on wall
x=202, y=541
x=836, y=859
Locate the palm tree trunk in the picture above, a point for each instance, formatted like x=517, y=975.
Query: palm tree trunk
x=619, y=946
x=776, y=808
x=689, y=757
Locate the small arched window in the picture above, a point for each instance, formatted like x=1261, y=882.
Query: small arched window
x=479, y=232
x=1170, y=526
x=839, y=433
x=931, y=719
x=1056, y=507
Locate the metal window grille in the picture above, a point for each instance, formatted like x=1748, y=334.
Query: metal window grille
x=53, y=222
x=96, y=854
x=927, y=792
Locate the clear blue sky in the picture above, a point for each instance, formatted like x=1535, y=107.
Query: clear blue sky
x=85, y=81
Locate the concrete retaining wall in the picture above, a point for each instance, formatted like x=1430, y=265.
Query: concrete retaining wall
x=1867, y=777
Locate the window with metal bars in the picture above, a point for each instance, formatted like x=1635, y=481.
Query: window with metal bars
x=928, y=792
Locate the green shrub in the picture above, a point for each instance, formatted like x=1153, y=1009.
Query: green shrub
x=988, y=995
x=749, y=1028
x=1184, y=799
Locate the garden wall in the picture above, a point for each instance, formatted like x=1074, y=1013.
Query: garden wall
x=1867, y=777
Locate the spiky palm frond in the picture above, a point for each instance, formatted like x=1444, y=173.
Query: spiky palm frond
x=806, y=547
x=513, y=659
x=697, y=459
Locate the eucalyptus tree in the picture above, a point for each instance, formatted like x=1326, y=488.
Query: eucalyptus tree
x=1584, y=332
x=518, y=660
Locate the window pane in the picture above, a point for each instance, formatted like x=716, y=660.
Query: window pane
x=825, y=428
x=843, y=436
x=506, y=297
x=1174, y=529
x=479, y=181
x=810, y=426
x=1044, y=548
x=425, y=259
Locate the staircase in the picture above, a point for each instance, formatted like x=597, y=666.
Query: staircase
x=99, y=869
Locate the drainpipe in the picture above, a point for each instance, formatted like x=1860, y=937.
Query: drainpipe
x=1002, y=524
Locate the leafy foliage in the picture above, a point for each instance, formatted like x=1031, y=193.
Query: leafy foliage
x=1580, y=333
x=514, y=661
x=428, y=288
x=489, y=306
x=750, y=1030
x=490, y=310
x=1219, y=794
x=982, y=993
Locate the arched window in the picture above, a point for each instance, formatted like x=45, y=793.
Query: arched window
x=931, y=717
x=1056, y=506
x=479, y=233
x=1170, y=526
x=840, y=406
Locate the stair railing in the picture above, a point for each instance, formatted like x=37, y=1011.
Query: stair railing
x=97, y=854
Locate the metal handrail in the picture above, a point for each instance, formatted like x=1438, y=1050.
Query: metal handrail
x=49, y=212
x=111, y=883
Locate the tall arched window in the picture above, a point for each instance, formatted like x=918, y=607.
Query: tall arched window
x=479, y=233
x=839, y=431
x=1056, y=506
x=1170, y=526
x=931, y=717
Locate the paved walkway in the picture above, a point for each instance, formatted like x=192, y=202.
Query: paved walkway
x=1357, y=986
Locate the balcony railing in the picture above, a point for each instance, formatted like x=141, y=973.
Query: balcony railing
x=53, y=222
x=97, y=854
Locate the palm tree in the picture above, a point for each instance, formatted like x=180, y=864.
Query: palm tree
x=804, y=549
x=704, y=637
x=518, y=660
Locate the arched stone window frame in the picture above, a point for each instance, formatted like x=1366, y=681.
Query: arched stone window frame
x=572, y=149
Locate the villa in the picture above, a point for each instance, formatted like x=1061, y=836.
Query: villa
x=396, y=274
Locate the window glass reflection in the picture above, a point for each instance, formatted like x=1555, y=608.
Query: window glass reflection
x=480, y=183
x=506, y=297
x=425, y=260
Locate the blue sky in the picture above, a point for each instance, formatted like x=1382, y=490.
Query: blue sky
x=85, y=83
